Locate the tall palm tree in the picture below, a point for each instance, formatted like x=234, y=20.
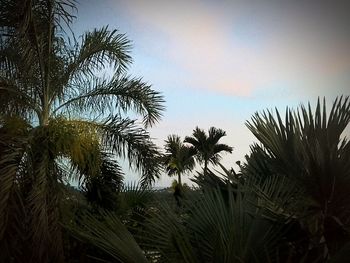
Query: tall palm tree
x=59, y=109
x=207, y=145
x=179, y=158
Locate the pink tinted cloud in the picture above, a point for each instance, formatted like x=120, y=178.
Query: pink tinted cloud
x=283, y=46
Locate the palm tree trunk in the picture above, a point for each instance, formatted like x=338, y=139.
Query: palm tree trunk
x=179, y=178
x=205, y=166
x=178, y=190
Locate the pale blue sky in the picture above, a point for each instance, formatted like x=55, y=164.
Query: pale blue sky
x=218, y=62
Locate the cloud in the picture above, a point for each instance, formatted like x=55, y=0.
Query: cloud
x=239, y=48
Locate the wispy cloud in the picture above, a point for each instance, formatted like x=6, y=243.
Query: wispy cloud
x=237, y=48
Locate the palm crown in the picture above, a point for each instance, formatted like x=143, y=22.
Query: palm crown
x=51, y=80
x=207, y=146
x=179, y=158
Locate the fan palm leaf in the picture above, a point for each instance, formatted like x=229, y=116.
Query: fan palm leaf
x=213, y=228
x=110, y=235
x=308, y=147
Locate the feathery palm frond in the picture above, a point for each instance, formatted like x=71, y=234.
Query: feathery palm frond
x=127, y=140
x=97, y=50
x=12, y=210
x=115, y=95
x=103, y=189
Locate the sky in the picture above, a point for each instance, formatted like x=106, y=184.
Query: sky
x=219, y=62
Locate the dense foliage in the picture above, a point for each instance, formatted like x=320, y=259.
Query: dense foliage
x=269, y=211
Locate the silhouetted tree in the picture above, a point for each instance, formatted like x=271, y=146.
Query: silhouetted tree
x=179, y=158
x=58, y=109
x=208, y=147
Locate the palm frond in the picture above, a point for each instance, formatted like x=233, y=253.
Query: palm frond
x=281, y=141
x=217, y=149
x=77, y=140
x=213, y=228
x=307, y=147
x=165, y=237
x=110, y=235
x=39, y=204
x=127, y=140
x=12, y=210
x=12, y=149
x=97, y=49
x=214, y=134
x=258, y=163
x=135, y=199
x=15, y=101
x=103, y=189
x=115, y=95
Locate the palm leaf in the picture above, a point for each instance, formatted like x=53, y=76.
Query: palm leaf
x=165, y=237
x=212, y=228
x=127, y=140
x=109, y=235
x=98, y=49
x=103, y=188
x=115, y=95
x=307, y=147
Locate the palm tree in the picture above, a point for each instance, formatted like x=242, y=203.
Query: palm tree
x=207, y=146
x=309, y=148
x=59, y=109
x=179, y=157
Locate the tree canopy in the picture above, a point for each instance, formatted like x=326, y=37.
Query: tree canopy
x=207, y=145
